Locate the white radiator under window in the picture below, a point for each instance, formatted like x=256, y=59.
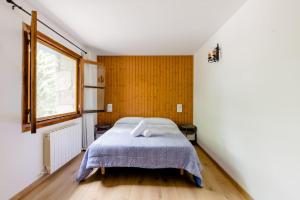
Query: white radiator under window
x=61, y=145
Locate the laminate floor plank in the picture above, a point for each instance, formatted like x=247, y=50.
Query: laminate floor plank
x=137, y=184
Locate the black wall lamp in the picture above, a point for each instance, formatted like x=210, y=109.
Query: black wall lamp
x=214, y=56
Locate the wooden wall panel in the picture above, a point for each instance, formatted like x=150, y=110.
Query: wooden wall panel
x=148, y=86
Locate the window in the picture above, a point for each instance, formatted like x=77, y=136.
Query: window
x=57, y=82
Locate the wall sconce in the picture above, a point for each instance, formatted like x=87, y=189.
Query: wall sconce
x=214, y=56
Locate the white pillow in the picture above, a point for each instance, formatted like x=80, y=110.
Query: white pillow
x=139, y=129
x=129, y=120
x=159, y=121
x=147, y=133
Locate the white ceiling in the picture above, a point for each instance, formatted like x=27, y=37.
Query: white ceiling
x=140, y=27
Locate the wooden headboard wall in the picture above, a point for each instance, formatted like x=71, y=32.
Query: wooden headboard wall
x=148, y=86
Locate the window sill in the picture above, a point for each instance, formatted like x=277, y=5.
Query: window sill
x=48, y=122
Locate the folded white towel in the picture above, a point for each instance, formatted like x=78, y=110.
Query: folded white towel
x=147, y=133
x=138, y=130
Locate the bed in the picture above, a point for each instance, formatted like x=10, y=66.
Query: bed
x=167, y=147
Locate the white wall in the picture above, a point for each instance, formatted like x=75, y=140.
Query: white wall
x=247, y=106
x=21, y=160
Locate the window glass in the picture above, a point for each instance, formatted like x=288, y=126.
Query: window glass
x=56, y=82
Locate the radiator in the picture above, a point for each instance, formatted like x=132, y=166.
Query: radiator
x=61, y=145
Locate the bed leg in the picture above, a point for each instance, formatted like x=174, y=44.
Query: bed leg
x=198, y=181
x=181, y=172
x=102, y=170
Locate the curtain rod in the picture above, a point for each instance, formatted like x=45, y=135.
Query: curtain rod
x=14, y=5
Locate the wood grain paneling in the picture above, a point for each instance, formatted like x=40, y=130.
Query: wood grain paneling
x=148, y=86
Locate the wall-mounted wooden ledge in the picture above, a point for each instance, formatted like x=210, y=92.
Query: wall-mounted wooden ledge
x=96, y=87
x=93, y=111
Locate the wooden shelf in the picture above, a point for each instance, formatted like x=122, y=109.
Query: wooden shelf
x=95, y=87
x=93, y=111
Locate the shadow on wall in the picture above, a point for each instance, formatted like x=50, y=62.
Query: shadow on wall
x=216, y=137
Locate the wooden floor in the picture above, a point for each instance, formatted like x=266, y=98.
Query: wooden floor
x=137, y=184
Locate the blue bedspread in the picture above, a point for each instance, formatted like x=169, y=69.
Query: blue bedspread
x=117, y=148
